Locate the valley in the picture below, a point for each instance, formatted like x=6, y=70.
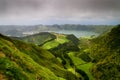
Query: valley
x=61, y=55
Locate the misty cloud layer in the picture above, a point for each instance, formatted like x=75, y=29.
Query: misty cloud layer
x=60, y=9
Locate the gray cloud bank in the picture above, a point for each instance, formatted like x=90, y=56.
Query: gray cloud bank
x=60, y=9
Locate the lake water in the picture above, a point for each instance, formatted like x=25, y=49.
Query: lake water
x=77, y=33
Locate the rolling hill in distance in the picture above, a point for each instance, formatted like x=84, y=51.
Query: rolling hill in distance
x=76, y=29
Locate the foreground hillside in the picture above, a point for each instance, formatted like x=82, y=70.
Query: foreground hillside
x=21, y=61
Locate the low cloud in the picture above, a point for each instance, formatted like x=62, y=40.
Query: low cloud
x=59, y=9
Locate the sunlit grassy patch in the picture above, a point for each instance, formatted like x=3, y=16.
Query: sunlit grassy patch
x=50, y=44
x=82, y=65
x=86, y=68
x=60, y=39
x=76, y=60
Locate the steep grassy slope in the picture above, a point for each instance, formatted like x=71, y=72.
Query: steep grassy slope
x=22, y=61
x=105, y=51
x=17, y=65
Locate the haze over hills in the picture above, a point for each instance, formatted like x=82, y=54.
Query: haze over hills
x=87, y=30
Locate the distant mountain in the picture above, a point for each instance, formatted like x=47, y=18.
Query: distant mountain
x=24, y=30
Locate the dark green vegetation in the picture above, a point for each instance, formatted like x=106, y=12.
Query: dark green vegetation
x=105, y=51
x=51, y=56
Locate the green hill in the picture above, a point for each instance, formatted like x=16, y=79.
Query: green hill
x=23, y=61
x=105, y=51
x=37, y=39
x=60, y=47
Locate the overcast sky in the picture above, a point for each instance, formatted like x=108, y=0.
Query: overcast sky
x=59, y=11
